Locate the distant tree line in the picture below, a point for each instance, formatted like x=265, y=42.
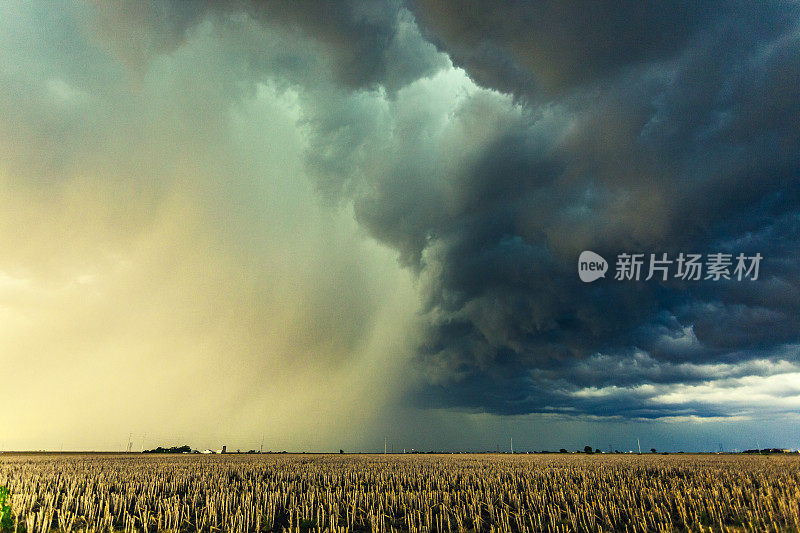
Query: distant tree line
x=770, y=450
x=174, y=449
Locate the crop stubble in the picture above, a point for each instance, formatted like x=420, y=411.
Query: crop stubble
x=382, y=493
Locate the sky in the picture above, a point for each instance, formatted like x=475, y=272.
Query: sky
x=330, y=226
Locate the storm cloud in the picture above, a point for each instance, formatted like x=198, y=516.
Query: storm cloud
x=615, y=129
x=283, y=217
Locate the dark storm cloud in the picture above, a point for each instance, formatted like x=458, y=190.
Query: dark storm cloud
x=652, y=132
x=615, y=127
x=527, y=46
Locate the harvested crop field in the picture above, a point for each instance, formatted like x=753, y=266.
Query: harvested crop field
x=74, y=492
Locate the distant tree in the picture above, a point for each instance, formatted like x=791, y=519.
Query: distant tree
x=563, y=450
x=653, y=450
x=587, y=449
x=341, y=451
x=597, y=450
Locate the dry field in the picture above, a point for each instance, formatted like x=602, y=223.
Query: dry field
x=403, y=493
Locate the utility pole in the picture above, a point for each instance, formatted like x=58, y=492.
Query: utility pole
x=640, y=446
x=130, y=442
x=261, y=450
x=512, y=445
x=384, y=445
